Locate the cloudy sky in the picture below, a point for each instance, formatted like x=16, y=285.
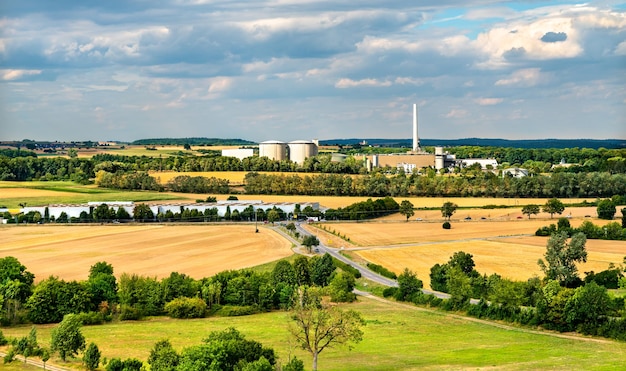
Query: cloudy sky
x=305, y=69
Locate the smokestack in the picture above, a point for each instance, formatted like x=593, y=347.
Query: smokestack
x=416, y=140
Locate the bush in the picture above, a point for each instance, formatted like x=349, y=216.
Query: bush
x=186, y=308
x=382, y=270
x=446, y=225
x=346, y=267
x=235, y=311
x=92, y=318
x=3, y=340
x=389, y=291
x=129, y=313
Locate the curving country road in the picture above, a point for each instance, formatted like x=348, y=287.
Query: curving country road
x=365, y=272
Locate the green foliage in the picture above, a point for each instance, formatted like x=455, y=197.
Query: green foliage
x=224, y=350
x=142, y=212
x=364, y=210
x=553, y=206
x=406, y=209
x=309, y=241
x=317, y=327
x=294, y=364
x=129, y=364
x=446, y=225
x=347, y=267
x=140, y=296
x=530, y=210
x=198, y=184
x=302, y=270
x=178, y=285
x=341, y=287
x=459, y=287
x=91, y=358
x=409, y=286
x=54, y=298
x=184, y=307
x=322, y=269
x=382, y=270
x=606, y=209
x=448, y=209
x=561, y=258
x=609, y=278
x=163, y=357
x=285, y=273
x=67, y=339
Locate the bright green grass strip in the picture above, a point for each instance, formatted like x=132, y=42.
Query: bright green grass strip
x=395, y=338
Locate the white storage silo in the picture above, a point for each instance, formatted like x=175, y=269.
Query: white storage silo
x=300, y=150
x=273, y=149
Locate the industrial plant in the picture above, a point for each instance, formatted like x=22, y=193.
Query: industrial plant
x=299, y=150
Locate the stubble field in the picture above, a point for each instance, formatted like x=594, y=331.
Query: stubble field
x=152, y=250
x=506, y=247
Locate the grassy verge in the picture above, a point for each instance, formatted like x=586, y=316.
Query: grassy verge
x=396, y=337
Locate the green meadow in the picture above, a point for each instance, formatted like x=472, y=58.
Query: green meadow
x=396, y=337
x=38, y=193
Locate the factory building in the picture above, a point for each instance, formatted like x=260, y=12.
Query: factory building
x=239, y=153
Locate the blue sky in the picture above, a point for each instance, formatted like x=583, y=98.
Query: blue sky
x=311, y=69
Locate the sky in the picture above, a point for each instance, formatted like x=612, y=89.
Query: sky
x=311, y=69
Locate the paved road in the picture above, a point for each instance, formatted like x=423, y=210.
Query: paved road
x=365, y=272
x=37, y=363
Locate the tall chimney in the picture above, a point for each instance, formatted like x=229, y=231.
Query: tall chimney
x=416, y=140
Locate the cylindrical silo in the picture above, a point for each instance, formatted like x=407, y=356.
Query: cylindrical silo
x=438, y=150
x=300, y=150
x=273, y=149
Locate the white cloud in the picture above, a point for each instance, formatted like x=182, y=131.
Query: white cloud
x=526, y=77
x=348, y=83
x=9, y=75
x=456, y=113
x=488, y=101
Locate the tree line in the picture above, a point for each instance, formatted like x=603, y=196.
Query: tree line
x=563, y=185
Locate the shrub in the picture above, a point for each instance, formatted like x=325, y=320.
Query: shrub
x=446, y=225
x=129, y=313
x=92, y=318
x=382, y=270
x=186, y=308
x=346, y=267
x=3, y=340
x=235, y=311
x=389, y=291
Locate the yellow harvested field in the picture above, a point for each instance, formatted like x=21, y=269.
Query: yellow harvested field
x=153, y=250
x=28, y=193
x=390, y=232
x=501, y=244
x=514, y=258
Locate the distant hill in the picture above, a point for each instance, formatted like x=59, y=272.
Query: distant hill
x=486, y=142
x=192, y=142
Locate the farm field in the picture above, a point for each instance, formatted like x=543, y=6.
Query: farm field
x=135, y=150
x=505, y=247
x=396, y=337
x=38, y=193
x=153, y=250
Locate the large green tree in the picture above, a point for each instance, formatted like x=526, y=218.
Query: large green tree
x=142, y=212
x=321, y=270
x=606, y=209
x=561, y=257
x=406, y=209
x=316, y=327
x=67, y=339
x=309, y=242
x=408, y=286
x=553, y=206
x=448, y=209
x=530, y=210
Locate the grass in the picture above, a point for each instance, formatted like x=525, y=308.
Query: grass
x=396, y=337
x=39, y=193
